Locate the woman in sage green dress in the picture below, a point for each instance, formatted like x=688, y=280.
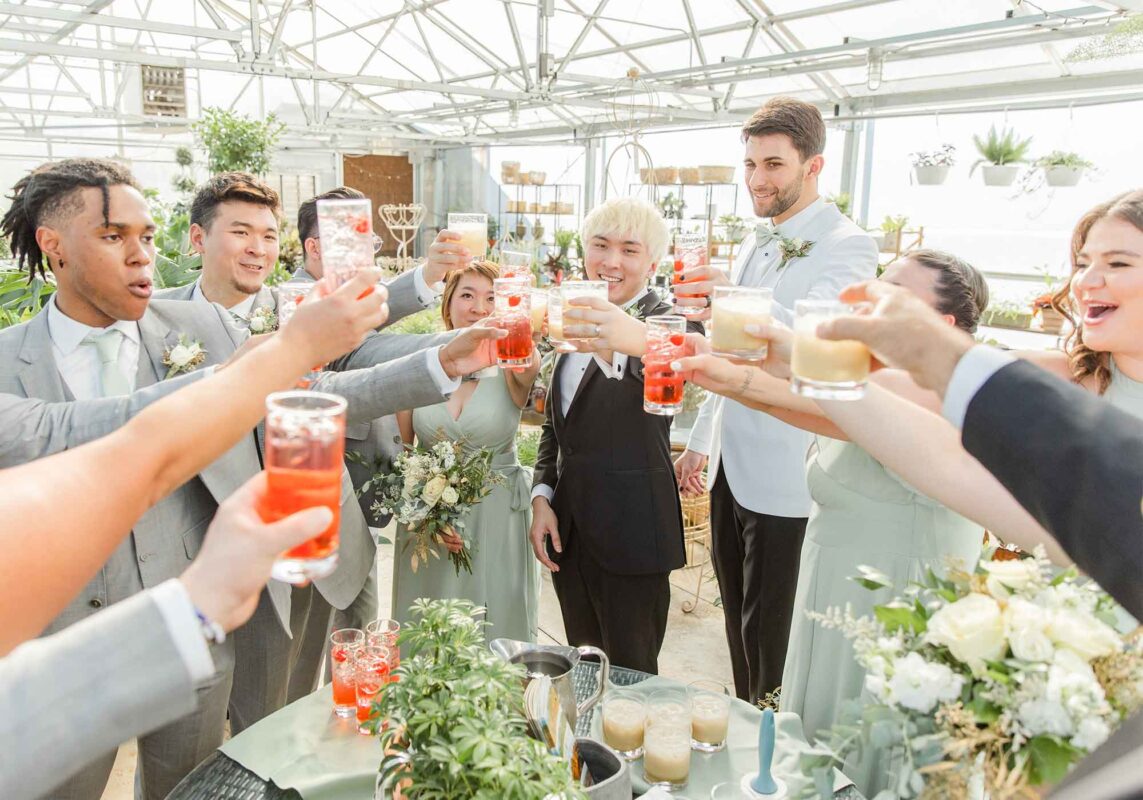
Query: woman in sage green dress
x=505, y=576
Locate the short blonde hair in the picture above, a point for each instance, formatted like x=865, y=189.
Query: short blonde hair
x=630, y=217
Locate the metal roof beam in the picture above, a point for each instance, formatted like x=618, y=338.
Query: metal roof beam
x=92, y=8
x=80, y=18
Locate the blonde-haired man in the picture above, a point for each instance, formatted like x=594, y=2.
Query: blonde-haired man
x=607, y=521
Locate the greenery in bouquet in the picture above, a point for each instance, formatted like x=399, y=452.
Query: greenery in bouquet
x=455, y=724
x=1006, y=676
x=429, y=490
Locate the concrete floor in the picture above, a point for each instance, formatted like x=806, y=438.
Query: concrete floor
x=695, y=646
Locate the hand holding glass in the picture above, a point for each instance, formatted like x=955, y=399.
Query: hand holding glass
x=512, y=301
x=347, y=240
x=732, y=309
x=473, y=232
x=662, y=386
x=824, y=369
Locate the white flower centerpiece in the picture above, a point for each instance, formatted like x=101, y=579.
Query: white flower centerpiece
x=1007, y=674
x=429, y=490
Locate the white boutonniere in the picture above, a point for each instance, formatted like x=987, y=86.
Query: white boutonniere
x=793, y=248
x=263, y=320
x=183, y=356
x=635, y=311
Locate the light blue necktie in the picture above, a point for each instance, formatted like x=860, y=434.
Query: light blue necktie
x=111, y=379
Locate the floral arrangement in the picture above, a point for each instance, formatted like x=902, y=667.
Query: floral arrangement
x=791, y=249
x=1006, y=676
x=183, y=357
x=429, y=491
x=263, y=320
x=943, y=156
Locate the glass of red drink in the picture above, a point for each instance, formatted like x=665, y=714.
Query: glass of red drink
x=514, y=264
x=292, y=294
x=513, y=314
x=371, y=673
x=662, y=386
x=384, y=632
x=305, y=444
x=691, y=250
x=347, y=239
x=343, y=645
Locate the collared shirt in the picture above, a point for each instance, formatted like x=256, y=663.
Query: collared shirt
x=241, y=310
x=571, y=375
x=183, y=624
x=972, y=371
x=762, y=268
x=426, y=294
x=78, y=363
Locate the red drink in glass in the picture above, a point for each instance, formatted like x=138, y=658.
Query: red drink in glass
x=343, y=646
x=371, y=675
x=662, y=386
x=513, y=314
x=305, y=444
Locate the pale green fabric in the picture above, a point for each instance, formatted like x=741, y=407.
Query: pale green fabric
x=111, y=378
x=740, y=755
x=505, y=575
x=307, y=748
x=1125, y=393
x=862, y=514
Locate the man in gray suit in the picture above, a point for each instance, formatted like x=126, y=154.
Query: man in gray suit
x=99, y=336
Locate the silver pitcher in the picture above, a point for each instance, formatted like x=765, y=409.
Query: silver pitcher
x=557, y=663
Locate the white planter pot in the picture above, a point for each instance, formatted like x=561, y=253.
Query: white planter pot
x=1062, y=176
x=931, y=176
x=1000, y=175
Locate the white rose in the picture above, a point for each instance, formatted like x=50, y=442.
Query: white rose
x=1083, y=634
x=1027, y=624
x=919, y=685
x=433, y=489
x=1072, y=684
x=1006, y=577
x=875, y=685
x=1044, y=716
x=257, y=324
x=450, y=496
x=1091, y=733
x=181, y=355
x=972, y=629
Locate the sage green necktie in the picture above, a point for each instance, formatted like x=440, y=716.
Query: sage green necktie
x=111, y=379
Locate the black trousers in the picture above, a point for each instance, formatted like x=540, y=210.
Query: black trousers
x=624, y=615
x=756, y=558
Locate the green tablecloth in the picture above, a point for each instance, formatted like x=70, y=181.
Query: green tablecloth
x=306, y=747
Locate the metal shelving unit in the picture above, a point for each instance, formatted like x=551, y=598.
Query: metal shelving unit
x=540, y=194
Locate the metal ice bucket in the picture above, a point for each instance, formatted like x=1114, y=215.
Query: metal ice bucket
x=557, y=663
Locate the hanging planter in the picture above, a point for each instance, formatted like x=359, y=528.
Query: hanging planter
x=1001, y=153
x=1063, y=168
x=1062, y=176
x=931, y=167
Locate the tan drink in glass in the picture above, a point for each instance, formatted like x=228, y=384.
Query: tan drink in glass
x=539, y=309
x=473, y=231
x=732, y=309
x=821, y=368
x=624, y=716
x=576, y=292
x=667, y=740
x=710, y=716
x=556, y=320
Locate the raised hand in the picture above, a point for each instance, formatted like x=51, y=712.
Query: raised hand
x=700, y=282
x=326, y=327
x=445, y=255
x=472, y=350
x=607, y=328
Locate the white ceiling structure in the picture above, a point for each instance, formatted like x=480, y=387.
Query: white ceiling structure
x=389, y=74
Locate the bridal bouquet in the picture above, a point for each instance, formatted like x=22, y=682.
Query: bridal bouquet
x=430, y=490
x=1004, y=678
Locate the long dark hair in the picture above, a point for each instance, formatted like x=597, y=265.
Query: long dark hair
x=49, y=191
x=1084, y=361
x=961, y=289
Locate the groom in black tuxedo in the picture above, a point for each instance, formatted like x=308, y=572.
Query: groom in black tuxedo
x=606, y=514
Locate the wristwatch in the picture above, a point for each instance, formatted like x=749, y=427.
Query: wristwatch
x=211, y=630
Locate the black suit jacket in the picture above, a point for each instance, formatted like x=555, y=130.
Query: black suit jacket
x=610, y=465
x=1075, y=462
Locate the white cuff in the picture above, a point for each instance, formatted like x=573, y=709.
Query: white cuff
x=443, y=382
x=614, y=371
x=972, y=371
x=186, y=631
x=426, y=295
x=544, y=491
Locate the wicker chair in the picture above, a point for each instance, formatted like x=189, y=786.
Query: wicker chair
x=696, y=538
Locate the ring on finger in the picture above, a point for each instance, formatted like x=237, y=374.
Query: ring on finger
x=597, y=330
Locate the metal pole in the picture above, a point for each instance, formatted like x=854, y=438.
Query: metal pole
x=867, y=176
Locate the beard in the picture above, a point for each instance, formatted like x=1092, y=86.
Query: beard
x=786, y=198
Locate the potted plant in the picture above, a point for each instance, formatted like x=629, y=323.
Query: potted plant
x=931, y=167
x=1007, y=314
x=889, y=239
x=671, y=206
x=1062, y=168
x=456, y=724
x=1002, y=153
x=734, y=227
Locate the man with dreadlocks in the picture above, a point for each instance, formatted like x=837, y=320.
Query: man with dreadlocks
x=100, y=336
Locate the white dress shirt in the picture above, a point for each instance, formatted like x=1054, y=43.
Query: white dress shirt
x=428, y=295
x=78, y=363
x=765, y=458
x=185, y=628
x=972, y=371
x=572, y=370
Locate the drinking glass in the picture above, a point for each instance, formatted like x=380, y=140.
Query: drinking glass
x=732, y=309
x=825, y=369
x=384, y=632
x=690, y=252
x=514, y=264
x=539, y=309
x=305, y=444
x=667, y=740
x=343, y=645
x=347, y=240
x=290, y=296
x=728, y=791
x=371, y=673
x=473, y=231
x=710, y=715
x=511, y=312
x=575, y=292
x=624, y=716
x=556, y=320
x=662, y=386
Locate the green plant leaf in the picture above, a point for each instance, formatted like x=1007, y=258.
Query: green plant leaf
x=1050, y=759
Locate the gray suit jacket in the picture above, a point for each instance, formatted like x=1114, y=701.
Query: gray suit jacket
x=65, y=698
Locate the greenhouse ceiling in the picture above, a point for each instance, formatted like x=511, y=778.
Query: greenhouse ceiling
x=393, y=74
